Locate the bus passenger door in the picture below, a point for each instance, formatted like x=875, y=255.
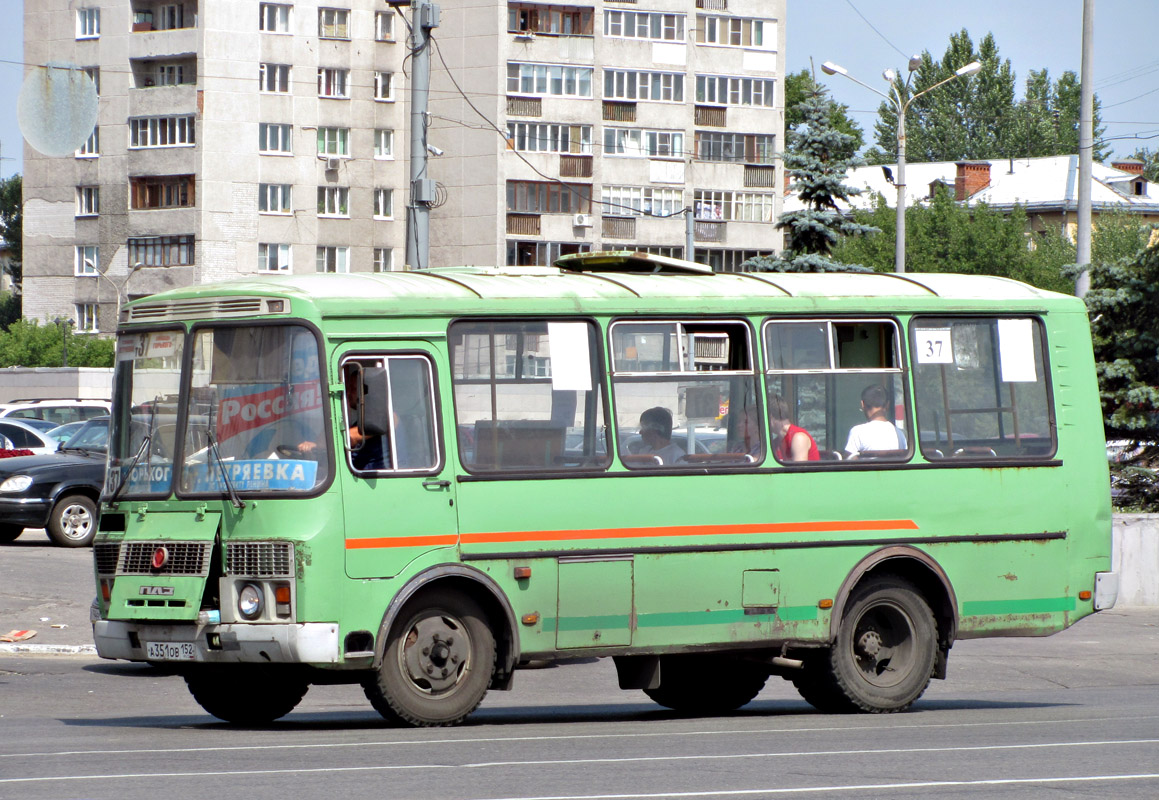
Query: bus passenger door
x=398, y=493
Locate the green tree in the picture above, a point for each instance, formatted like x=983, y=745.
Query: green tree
x=816, y=160
x=799, y=87
x=27, y=343
x=1150, y=159
x=977, y=117
x=12, y=223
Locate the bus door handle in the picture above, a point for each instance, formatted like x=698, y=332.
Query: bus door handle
x=433, y=483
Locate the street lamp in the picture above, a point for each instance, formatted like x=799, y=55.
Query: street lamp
x=120, y=287
x=900, y=106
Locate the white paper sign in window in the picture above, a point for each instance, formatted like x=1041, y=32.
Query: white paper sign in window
x=1016, y=350
x=934, y=346
x=571, y=364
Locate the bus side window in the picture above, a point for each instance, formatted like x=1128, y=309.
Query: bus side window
x=389, y=414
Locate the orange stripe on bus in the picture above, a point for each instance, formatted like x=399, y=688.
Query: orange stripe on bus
x=501, y=537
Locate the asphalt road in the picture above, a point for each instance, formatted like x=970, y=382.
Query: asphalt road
x=1076, y=714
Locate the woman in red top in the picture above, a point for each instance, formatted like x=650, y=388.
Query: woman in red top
x=796, y=444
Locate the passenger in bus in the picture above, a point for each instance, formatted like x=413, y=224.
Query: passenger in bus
x=795, y=443
x=656, y=433
x=878, y=432
x=747, y=435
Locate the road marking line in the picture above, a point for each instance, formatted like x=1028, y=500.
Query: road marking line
x=635, y=759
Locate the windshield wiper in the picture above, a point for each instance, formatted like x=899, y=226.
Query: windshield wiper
x=233, y=498
x=146, y=440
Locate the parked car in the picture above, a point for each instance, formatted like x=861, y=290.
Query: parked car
x=27, y=437
x=40, y=424
x=62, y=433
x=57, y=411
x=58, y=491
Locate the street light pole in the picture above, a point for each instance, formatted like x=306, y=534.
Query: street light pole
x=900, y=106
x=119, y=287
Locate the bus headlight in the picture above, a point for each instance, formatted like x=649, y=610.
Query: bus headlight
x=249, y=601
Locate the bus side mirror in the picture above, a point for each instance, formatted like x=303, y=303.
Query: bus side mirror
x=375, y=416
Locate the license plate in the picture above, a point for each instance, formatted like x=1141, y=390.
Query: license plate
x=170, y=651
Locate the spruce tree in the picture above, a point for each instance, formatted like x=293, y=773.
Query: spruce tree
x=818, y=159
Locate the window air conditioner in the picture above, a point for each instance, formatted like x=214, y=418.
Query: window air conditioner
x=332, y=163
x=582, y=221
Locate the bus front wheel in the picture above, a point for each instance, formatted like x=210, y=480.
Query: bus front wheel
x=884, y=655
x=437, y=664
x=258, y=698
x=707, y=684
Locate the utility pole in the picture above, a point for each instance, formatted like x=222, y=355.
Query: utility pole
x=1086, y=153
x=424, y=17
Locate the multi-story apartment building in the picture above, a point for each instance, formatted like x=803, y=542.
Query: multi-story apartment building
x=593, y=125
x=237, y=138
x=233, y=139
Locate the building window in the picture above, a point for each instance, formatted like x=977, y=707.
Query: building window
x=384, y=143
x=88, y=260
x=638, y=143
x=383, y=259
x=273, y=258
x=274, y=18
x=164, y=191
x=334, y=23
x=549, y=137
x=274, y=198
x=549, y=20
x=726, y=260
x=161, y=132
x=334, y=141
x=88, y=23
x=172, y=16
x=735, y=206
x=88, y=201
x=274, y=78
x=384, y=86
x=94, y=74
x=727, y=90
x=92, y=146
x=644, y=25
x=161, y=251
x=333, y=201
x=748, y=148
x=383, y=204
x=541, y=254
x=333, y=82
x=647, y=201
x=548, y=197
x=620, y=84
x=333, y=259
x=275, y=137
x=549, y=79
x=384, y=26
x=86, y=317
x=173, y=74
x=735, y=32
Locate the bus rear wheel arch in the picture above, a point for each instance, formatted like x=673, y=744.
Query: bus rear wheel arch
x=437, y=661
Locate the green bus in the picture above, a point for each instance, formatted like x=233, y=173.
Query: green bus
x=420, y=481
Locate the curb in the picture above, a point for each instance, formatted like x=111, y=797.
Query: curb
x=48, y=649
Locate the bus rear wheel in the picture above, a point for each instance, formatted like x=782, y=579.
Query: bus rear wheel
x=437, y=664
x=247, y=697
x=707, y=684
x=884, y=655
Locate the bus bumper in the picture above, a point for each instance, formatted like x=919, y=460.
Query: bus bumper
x=295, y=643
x=1106, y=590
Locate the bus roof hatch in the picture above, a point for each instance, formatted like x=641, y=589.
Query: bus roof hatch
x=629, y=261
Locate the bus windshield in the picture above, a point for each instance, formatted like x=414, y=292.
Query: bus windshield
x=143, y=430
x=256, y=422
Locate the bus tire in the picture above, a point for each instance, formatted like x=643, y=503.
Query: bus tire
x=73, y=522
x=248, y=698
x=707, y=684
x=884, y=655
x=437, y=663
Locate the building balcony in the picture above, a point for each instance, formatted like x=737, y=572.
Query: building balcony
x=712, y=116
x=575, y=166
x=524, y=107
x=760, y=177
x=159, y=44
x=523, y=224
x=703, y=231
x=618, y=227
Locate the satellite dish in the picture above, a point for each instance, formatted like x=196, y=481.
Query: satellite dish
x=57, y=108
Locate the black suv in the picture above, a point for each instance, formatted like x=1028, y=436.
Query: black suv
x=59, y=491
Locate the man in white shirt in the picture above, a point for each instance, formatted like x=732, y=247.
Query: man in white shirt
x=878, y=432
x=656, y=433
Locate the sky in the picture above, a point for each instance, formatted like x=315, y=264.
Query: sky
x=867, y=36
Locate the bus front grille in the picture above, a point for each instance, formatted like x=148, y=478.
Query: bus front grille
x=180, y=558
x=106, y=556
x=260, y=559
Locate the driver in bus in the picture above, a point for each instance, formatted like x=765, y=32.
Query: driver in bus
x=656, y=433
x=367, y=453
x=878, y=432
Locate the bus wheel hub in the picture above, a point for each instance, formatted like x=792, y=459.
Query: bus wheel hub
x=869, y=644
x=434, y=654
